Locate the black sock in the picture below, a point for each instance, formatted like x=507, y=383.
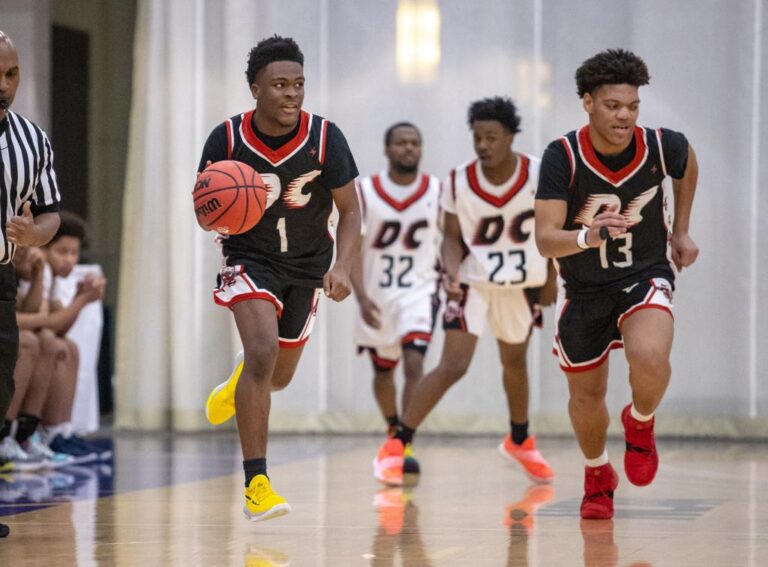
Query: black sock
x=5, y=431
x=253, y=467
x=519, y=432
x=405, y=434
x=393, y=421
x=27, y=426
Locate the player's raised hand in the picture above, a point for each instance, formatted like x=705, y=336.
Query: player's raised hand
x=21, y=229
x=370, y=312
x=684, y=250
x=336, y=284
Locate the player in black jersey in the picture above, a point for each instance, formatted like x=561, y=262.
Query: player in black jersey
x=601, y=211
x=272, y=273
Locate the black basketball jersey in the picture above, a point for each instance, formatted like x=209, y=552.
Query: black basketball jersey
x=294, y=235
x=635, y=185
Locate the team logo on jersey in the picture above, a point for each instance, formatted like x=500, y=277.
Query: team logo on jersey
x=294, y=197
x=600, y=201
x=390, y=232
x=663, y=288
x=490, y=229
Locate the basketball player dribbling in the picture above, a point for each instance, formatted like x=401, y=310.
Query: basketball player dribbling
x=601, y=211
x=493, y=272
x=395, y=278
x=273, y=273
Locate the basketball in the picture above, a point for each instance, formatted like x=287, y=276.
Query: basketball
x=230, y=197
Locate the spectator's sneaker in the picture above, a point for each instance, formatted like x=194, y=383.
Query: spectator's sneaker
x=528, y=456
x=220, y=406
x=4, y=530
x=263, y=503
x=34, y=446
x=22, y=461
x=80, y=455
x=410, y=464
x=388, y=464
x=641, y=461
x=102, y=453
x=520, y=514
x=599, y=484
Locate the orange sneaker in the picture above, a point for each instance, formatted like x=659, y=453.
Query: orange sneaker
x=520, y=514
x=529, y=458
x=388, y=464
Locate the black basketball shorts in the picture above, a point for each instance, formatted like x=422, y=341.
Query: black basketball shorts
x=296, y=305
x=588, y=328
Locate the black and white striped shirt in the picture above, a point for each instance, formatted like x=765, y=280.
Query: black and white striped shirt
x=26, y=174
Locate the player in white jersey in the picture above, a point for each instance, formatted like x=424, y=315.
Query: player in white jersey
x=395, y=278
x=493, y=272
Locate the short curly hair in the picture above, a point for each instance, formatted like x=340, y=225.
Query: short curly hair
x=272, y=49
x=71, y=225
x=611, y=67
x=500, y=109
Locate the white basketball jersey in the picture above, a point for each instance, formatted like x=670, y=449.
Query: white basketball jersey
x=497, y=225
x=400, y=234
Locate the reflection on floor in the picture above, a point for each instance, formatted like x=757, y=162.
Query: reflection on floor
x=176, y=500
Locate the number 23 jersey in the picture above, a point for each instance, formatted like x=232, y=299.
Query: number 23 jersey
x=497, y=225
x=293, y=236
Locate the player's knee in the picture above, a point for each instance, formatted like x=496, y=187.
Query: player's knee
x=588, y=396
x=260, y=356
x=649, y=362
x=29, y=344
x=47, y=339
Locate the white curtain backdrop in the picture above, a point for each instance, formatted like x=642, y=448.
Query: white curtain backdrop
x=709, y=67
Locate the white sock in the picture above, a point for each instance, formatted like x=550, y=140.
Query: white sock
x=598, y=461
x=638, y=416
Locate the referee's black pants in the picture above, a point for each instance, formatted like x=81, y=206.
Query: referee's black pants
x=9, y=336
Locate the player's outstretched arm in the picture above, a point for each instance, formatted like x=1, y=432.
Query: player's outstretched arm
x=684, y=249
x=336, y=283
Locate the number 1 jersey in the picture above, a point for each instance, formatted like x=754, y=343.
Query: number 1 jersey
x=300, y=171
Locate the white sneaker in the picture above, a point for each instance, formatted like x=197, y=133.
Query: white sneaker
x=35, y=447
x=22, y=461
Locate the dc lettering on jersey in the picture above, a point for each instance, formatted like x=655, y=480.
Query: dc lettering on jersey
x=497, y=224
x=400, y=233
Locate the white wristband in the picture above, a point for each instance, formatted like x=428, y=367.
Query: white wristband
x=581, y=238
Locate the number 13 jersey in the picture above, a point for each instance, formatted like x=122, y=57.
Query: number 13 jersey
x=497, y=225
x=631, y=181
x=300, y=169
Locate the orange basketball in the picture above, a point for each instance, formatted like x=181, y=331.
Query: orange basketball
x=230, y=197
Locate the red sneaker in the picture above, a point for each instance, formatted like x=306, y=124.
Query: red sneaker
x=641, y=461
x=599, y=484
x=388, y=464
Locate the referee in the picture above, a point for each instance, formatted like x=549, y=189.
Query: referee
x=29, y=204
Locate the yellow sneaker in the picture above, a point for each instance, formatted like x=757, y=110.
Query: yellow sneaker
x=220, y=406
x=410, y=464
x=263, y=503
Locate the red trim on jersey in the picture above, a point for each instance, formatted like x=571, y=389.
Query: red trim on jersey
x=246, y=296
x=274, y=156
x=520, y=178
x=413, y=335
x=661, y=152
x=400, y=206
x=323, y=130
x=230, y=142
x=571, y=159
x=292, y=344
x=615, y=177
x=594, y=364
x=380, y=362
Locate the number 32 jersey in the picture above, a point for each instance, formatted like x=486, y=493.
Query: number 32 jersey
x=497, y=225
x=400, y=236
x=293, y=235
